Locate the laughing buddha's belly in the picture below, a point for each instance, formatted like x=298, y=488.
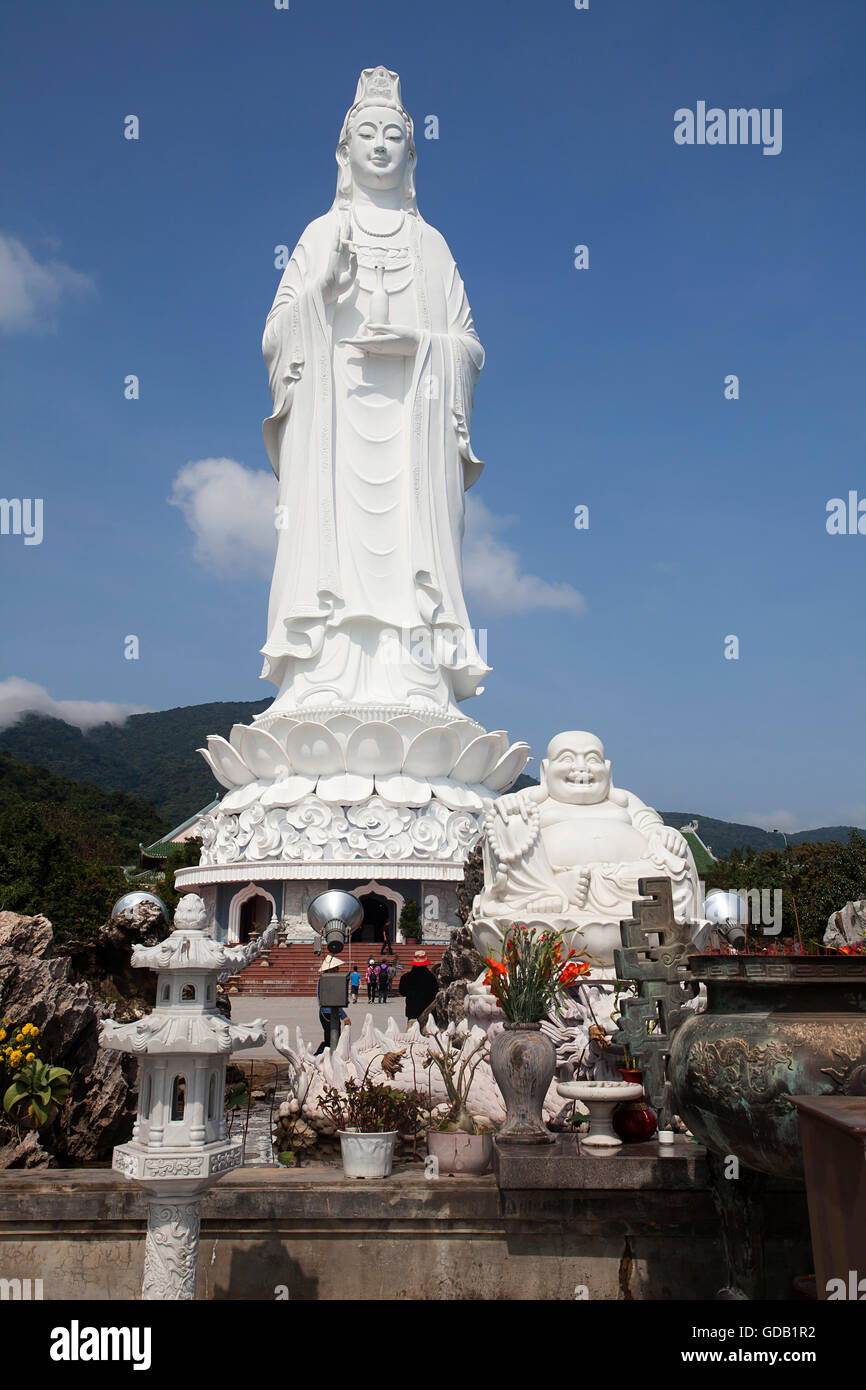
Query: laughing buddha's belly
x=592, y=840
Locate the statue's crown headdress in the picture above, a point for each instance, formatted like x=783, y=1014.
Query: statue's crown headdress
x=378, y=87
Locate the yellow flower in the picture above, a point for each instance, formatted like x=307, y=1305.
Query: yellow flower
x=2, y=1034
x=15, y=1057
x=30, y=1057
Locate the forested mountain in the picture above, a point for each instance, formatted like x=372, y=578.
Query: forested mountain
x=153, y=757
x=62, y=845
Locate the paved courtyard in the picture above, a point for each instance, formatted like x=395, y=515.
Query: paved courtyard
x=303, y=1012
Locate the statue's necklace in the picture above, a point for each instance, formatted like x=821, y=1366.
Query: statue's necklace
x=379, y=236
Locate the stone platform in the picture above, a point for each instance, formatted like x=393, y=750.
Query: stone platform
x=570, y=1165
x=633, y=1233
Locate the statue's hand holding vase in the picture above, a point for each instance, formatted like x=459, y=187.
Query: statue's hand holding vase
x=386, y=340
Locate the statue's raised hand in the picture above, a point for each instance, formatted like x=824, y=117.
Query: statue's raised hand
x=514, y=804
x=386, y=340
x=342, y=264
x=671, y=840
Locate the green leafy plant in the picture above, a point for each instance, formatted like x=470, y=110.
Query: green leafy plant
x=236, y=1096
x=371, y=1107
x=36, y=1086
x=533, y=974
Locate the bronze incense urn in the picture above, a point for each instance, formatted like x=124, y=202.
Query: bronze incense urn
x=775, y=1026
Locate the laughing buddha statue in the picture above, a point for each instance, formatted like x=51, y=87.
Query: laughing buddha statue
x=568, y=854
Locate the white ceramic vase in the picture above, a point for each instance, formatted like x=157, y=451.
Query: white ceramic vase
x=459, y=1152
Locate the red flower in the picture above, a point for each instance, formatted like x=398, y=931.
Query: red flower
x=573, y=972
x=496, y=967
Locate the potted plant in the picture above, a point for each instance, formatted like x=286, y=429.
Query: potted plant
x=410, y=923
x=455, y=1139
x=530, y=979
x=38, y=1089
x=368, y=1117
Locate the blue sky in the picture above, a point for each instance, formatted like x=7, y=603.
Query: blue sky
x=602, y=387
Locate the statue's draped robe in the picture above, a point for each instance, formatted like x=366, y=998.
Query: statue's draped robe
x=373, y=457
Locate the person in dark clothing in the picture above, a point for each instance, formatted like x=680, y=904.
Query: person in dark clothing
x=418, y=986
x=325, y=1013
x=371, y=978
x=325, y=1020
x=383, y=978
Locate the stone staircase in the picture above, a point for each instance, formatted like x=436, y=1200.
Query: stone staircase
x=294, y=969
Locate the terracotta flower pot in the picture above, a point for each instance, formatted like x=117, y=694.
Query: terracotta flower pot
x=460, y=1153
x=523, y=1060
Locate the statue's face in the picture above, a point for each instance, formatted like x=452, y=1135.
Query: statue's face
x=378, y=147
x=576, y=771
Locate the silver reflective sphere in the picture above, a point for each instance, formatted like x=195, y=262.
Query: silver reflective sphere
x=721, y=907
x=335, y=906
x=127, y=905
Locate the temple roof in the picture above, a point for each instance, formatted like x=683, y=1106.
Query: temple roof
x=701, y=853
x=176, y=838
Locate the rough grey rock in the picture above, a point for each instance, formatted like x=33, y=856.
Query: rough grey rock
x=847, y=927
x=38, y=986
x=461, y=964
x=23, y=1151
x=104, y=961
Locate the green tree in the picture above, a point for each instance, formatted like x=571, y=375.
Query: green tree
x=818, y=877
x=410, y=924
x=187, y=853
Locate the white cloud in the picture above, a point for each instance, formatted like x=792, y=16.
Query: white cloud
x=18, y=697
x=230, y=510
x=31, y=291
x=493, y=577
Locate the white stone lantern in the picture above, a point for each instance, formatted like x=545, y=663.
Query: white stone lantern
x=179, y=1145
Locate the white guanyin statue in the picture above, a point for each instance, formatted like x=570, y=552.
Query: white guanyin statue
x=568, y=854
x=372, y=358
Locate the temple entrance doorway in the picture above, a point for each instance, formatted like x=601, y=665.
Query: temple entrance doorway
x=251, y=912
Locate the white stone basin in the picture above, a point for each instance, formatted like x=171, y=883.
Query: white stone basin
x=601, y=1099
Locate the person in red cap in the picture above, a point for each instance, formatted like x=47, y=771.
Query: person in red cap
x=418, y=986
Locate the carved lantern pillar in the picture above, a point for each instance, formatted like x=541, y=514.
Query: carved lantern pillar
x=179, y=1146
